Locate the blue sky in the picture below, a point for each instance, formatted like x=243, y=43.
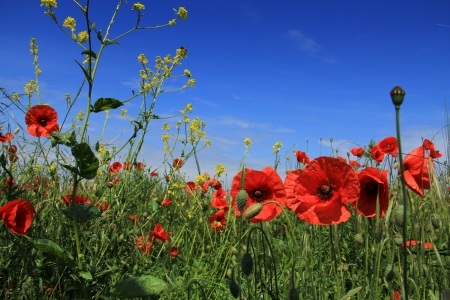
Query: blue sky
x=288, y=71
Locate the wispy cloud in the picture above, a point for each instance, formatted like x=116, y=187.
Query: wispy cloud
x=226, y=120
x=309, y=46
x=443, y=25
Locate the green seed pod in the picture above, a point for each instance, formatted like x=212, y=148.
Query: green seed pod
x=230, y=273
x=398, y=240
x=358, y=239
x=234, y=288
x=389, y=272
x=241, y=200
x=247, y=264
x=294, y=294
x=436, y=221
x=252, y=211
x=234, y=250
x=397, y=216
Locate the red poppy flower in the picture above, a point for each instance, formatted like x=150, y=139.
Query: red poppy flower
x=289, y=185
x=417, y=167
x=166, y=202
x=396, y=295
x=190, y=187
x=154, y=174
x=159, y=233
x=411, y=243
x=322, y=191
x=354, y=164
x=115, y=167
x=139, y=166
x=6, y=137
x=174, y=251
x=388, y=145
x=128, y=166
x=144, y=245
x=376, y=154
x=219, y=203
x=218, y=221
x=177, y=163
x=215, y=184
x=17, y=215
x=67, y=199
x=373, y=185
x=428, y=145
x=302, y=157
x=261, y=187
x=358, y=152
x=167, y=177
x=41, y=121
x=134, y=219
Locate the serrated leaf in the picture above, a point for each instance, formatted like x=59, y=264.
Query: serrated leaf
x=68, y=139
x=351, y=293
x=105, y=103
x=86, y=74
x=87, y=161
x=85, y=274
x=51, y=247
x=85, y=212
x=90, y=53
x=136, y=287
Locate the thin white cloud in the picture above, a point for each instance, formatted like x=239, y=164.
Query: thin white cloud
x=226, y=120
x=309, y=46
x=235, y=97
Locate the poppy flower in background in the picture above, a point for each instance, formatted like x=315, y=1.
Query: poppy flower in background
x=159, y=233
x=358, y=152
x=373, y=184
x=154, y=174
x=6, y=137
x=177, y=163
x=428, y=145
x=355, y=164
x=144, y=245
x=411, y=243
x=376, y=154
x=302, y=157
x=41, y=121
x=388, y=145
x=215, y=184
x=416, y=167
x=261, y=187
x=219, y=203
x=166, y=202
x=134, y=219
x=17, y=215
x=218, y=221
x=140, y=166
x=174, y=251
x=115, y=167
x=320, y=193
x=128, y=166
x=190, y=187
x=67, y=199
x=396, y=295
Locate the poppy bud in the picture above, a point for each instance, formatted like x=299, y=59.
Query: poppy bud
x=247, y=264
x=252, y=211
x=436, y=221
x=241, y=200
x=294, y=294
x=234, y=288
x=397, y=216
x=358, y=239
x=398, y=240
x=397, y=95
x=389, y=272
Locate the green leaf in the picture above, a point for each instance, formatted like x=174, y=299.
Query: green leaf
x=99, y=35
x=71, y=168
x=87, y=161
x=155, y=205
x=109, y=42
x=136, y=287
x=90, y=53
x=86, y=74
x=85, y=274
x=68, y=139
x=105, y=103
x=52, y=248
x=85, y=212
x=351, y=293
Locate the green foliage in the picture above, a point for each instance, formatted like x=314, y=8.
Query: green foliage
x=138, y=287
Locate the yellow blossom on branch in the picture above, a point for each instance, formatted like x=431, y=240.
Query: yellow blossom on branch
x=220, y=169
x=138, y=6
x=276, y=147
x=83, y=36
x=191, y=82
x=30, y=88
x=142, y=59
x=79, y=116
x=70, y=22
x=49, y=3
x=166, y=126
x=123, y=112
x=187, y=73
x=247, y=143
x=207, y=143
x=182, y=13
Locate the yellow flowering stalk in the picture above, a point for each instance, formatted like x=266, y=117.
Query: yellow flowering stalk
x=182, y=13
x=247, y=143
x=83, y=36
x=219, y=169
x=276, y=147
x=123, y=112
x=166, y=126
x=187, y=73
x=207, y=143
x=142, y=59
x=70, y=23
x=49, y=3
x=138, y=6
x=79, y=115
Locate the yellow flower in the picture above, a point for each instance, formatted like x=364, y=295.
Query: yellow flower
x=124, y=112
x=88, y=59
x=187, y=73
x=49, y=3
x=166, y=126
x=186, y=120
x=173, y=22
x=182, y=13
x=166, y=138
x=30, y=88
x=199, y=180
x=15, y=96
x=138, y=6
x=247, y=143
x=191, y=82
x=33, y=46
x=220, y=169
x=70, y=23
x=168, y=59
x=83, y=36
x=207, y=143
x=79, y=116
x=142, y=59
x=68, y=98
x=277, y=146
x=38, y=72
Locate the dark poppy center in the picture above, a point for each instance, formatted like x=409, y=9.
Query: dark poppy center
x=43, y=122
x=325, y=191
x=258, y=195
x=372, y=189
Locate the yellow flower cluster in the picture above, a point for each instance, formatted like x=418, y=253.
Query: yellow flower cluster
x=33, y=46
x=166, y=140
x=276, y=147
x=196, y=131
x=182, y=13
x=80, y=115
x=49, y=3
x=207, y=143
x=70, y=22
x=142, y=59
x=15, y=96
x=30, y=88
x=124, y=112
x=247, y=143
x=83, y=36
x=166, y=126
x=88, y=59
x=219, y=169
x=187, y=108
x=191, y=82
x=138, y=6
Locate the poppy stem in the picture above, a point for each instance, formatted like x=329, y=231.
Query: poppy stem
x=397, y=96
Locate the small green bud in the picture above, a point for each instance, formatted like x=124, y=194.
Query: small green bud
x=252, y=211
x=397, y=95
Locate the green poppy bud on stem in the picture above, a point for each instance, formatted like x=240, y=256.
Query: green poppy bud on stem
x=397, y=95
x=252, y=211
